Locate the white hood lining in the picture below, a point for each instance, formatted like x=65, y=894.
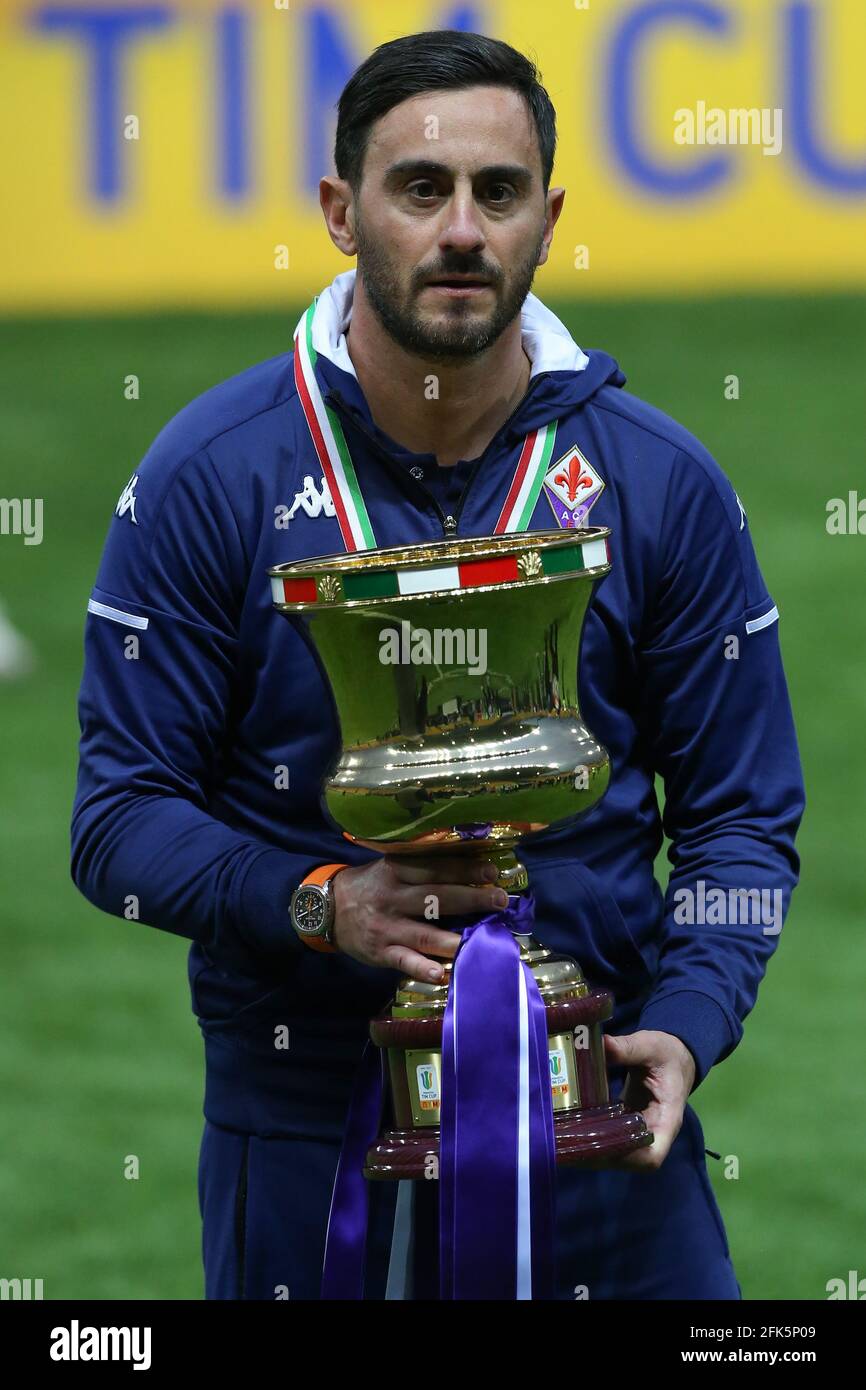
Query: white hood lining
x=547, y=342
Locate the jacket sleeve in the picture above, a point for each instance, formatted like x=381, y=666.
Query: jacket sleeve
x=718, y=724
x=160, y=654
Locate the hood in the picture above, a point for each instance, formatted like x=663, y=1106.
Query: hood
x=562, y=375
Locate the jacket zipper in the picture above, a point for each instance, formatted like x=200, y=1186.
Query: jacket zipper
x=449, y=523
x=472, y=476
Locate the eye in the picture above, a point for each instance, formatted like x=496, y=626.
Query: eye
x=422, y=183
x=507, y=188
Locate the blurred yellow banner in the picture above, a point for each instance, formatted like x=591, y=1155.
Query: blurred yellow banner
x=169, y=153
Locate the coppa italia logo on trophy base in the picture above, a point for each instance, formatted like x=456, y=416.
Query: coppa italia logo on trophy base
x=428, y=1087
x=558, y=1072
x=572, y=486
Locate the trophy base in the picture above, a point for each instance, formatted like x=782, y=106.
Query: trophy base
x=605, y=1132
x=588, y=1128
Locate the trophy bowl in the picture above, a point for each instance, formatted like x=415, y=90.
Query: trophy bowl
x=453, y=666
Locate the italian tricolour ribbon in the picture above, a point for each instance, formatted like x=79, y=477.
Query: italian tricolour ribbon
x=333, y=454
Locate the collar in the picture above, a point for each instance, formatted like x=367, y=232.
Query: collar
x=562, y=376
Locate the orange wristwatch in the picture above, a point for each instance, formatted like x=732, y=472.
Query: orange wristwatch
x=312, y=907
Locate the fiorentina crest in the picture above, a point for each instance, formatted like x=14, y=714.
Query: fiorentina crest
x=572, y=486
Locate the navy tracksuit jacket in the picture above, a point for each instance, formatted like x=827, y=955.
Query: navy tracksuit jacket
x=199, y=703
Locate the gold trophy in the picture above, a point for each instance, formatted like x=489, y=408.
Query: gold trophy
x=454, y=671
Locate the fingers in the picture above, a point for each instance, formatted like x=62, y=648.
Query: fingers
x=662, y=1054
x=654, y=1088
x=429, y=940
x=381, y=920
x=411, y=946
x=459, y=869
x=664, y=1120
x=647, y=1160
x=627, y=1049
x=398, y=956
x=448, y=900
x=635, y=1095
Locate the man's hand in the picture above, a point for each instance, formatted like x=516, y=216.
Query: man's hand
x=380, y=909
x=659, y=1081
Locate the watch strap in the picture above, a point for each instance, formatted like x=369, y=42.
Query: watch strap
x=317, y=878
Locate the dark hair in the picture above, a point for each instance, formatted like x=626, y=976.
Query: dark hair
x=439, y=59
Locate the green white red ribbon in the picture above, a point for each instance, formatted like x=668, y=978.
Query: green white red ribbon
x=332, y=451
x=532, y=465
x=330, y=444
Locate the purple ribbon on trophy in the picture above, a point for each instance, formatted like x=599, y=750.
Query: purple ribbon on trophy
x=496, y=1148
x=346, y=1240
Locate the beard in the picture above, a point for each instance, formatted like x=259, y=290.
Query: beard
x=461, y=330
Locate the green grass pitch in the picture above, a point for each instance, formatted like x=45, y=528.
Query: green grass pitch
x=100, y=1056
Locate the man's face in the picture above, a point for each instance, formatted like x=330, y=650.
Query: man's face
x=452, y=186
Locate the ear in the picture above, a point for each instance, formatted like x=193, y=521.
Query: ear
x=338, y=208
x=555, y=200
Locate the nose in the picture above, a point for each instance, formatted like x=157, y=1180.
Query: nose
x=462, y=229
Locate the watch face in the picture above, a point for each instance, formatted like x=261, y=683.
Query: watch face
x=309, y=911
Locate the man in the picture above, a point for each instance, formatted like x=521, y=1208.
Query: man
x=206, y=731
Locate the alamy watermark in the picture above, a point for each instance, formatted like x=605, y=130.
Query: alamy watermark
x=739, y=126
x=853, y=1287
x=77, y=1343
x=723, y=907
x=439, y=646
x=846, y=516
x=22, y=516
x=21, y=1289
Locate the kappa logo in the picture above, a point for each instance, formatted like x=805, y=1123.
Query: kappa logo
x=572, y=487
x=312, y=502
x=127, y=500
